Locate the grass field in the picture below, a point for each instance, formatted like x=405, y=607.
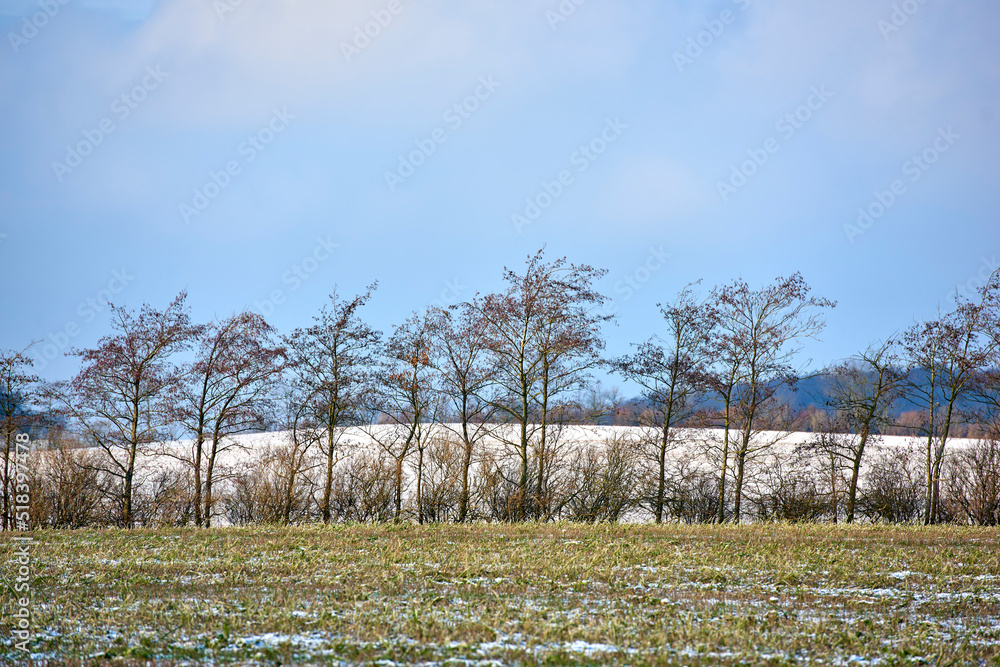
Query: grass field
x=547, y=594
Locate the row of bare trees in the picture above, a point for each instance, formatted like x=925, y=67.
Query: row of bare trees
x=513, y=367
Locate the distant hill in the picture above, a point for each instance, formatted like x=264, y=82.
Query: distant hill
x=813, y=392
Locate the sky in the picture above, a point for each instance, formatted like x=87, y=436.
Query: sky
x=259, y=152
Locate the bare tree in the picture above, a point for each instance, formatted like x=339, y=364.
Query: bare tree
x=671, y=372
x=466, y=376
x=862, y=393
x=569, y=350
x=123, y=396
x=332, y=361
x=543, y=333
x=16, y=390
x=948, y=357
x=723, y=378
x=226, y=391
x=987, y=382
x=406, y=401
x=756, y=332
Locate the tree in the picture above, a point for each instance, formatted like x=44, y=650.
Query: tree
x=406, y=400
x=291, y=464
x=755, y=336
x=16, y=391
x=225, y=392
x=671, y=372
x=722, y=379
x=987, y=382
x=543, y=334
x=465, y=377
x=123, y=396
x=948, y=359
x=332, y=361
x=861, y=393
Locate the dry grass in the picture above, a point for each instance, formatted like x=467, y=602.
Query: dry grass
x=552, y=594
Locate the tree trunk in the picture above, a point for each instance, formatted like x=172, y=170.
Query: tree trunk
x=541, y=509
x=833, y=486
x=741, y=463
x=661, y=488
x=738, y=492
x=662, y=482
x=929, y=496
x=133, y=449
x=722, y=471
x=420, y=484
x=522, y=486
x=399, y=490
x=939, y=455
x=290, y=488
x=463, y=502
x=127, y=513
x=668, y=416
x=328, y=487
x=199, y=443
x=209, y=480
x=852, y=492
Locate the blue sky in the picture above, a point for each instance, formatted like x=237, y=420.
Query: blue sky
x=243, y=151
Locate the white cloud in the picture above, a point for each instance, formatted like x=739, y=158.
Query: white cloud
x=291, y=53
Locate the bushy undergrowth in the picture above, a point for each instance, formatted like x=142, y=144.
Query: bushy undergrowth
x=609, y=480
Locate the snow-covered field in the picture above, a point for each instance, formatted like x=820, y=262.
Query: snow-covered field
x=693, y=444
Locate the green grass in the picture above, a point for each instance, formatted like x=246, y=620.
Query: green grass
x=534, y=594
